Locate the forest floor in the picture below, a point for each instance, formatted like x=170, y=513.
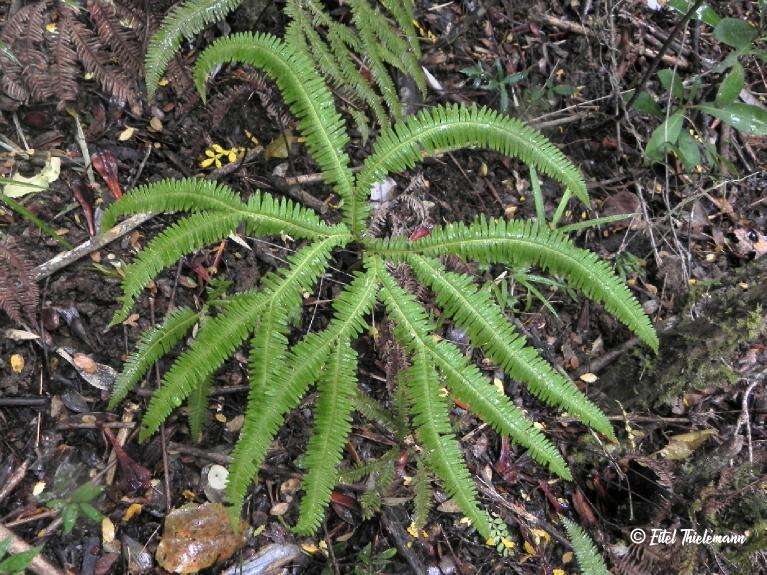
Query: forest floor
x=691, y=453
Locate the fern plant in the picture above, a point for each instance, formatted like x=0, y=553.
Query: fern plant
x=382, y=36
x=589, y=559
x=280, y=374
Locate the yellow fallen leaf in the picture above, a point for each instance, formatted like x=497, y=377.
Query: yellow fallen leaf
x=567, y=557
x=220, y=417
x=279, y=147
x=17, y=363
x=558, y=572
x=588, y=377
x=107, y=530
x=529, y=549
x=155, y=124
x=132, y=511
x=38, y=488
x=681, y=446
x=126, y=134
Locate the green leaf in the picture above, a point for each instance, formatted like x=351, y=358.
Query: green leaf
x=86, y=493
x=743, y=117
x=4, y=545
x=731, y=86
x=646, y=104
x=69, y=518
x=689, y=151
x=704, y=13
x=665, y=134
x=671, y=82
x=20, y=561
x=91, y=512
x=735, y=32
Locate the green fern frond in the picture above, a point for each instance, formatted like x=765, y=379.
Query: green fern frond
x=184, y=21
x=183, y=237
x=395, y=50
x=220, y=336
x=304, y=92
x=332, y=58
x=153, y=345
x=365, y=23
x=186, y=195
x=464, y=380
x=589, y=558
x=452, y=127
x=423, y=495
x=216, y=340
x=402, y=10
x=263, y=214
x=374, y=412
x=443, y=452
x=265, y=413
x=524, y=243
x=198, y=409
x=358, y=472
x=332, y=425
x=475, y=311
x=379, y=482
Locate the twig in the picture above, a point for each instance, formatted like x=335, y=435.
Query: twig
x=80, y=139
x=661, y=52
x=23, y=401
x=394, y=529
x=14, y=479
x=660, y=55
x=63, y=259
x=606, y=359
x=38, y=565
x=745, y=418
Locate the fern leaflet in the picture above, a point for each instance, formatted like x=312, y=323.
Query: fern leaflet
x=589, y=559
x=153, y=345
x=184, y=21
x=304, y=92
x=332, y=426
x=265, y=413
x=524, y=243
x=474, y=310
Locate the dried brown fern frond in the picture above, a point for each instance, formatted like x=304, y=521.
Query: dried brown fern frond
x=254, y=84
x=64, y=71
x=26, y=23
x=19, y=294
x=91, y=53
x=126, y=45
x=43, y=63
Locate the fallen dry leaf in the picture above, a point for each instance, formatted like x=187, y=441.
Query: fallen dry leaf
x=17, y=363
x=84, y=363
x=681, y=446
x=196, y=537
